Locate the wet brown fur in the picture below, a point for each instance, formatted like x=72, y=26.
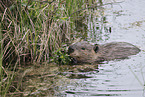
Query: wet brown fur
x=88, y=53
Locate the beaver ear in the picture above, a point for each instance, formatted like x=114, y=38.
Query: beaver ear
x=96, y=48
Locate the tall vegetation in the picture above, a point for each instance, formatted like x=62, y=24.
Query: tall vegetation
x=31, y=30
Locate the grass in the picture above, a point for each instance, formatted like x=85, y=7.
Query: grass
x=33, y=31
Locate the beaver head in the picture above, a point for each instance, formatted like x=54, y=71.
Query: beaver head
x=83, y=52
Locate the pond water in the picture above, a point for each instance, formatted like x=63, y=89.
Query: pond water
x=124, y=78
x=123, y=21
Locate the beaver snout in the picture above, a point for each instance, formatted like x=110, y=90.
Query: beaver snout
x=70, y=50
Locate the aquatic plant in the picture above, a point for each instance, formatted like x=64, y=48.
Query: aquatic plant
x=61, y=56
x=32, y=31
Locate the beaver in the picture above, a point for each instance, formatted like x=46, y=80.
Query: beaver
x=85, y=52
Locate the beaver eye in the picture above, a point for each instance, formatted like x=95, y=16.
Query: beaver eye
x=96, y=48
x=83, y=48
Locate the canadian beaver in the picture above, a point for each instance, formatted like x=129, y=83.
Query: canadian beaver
x=85, y=52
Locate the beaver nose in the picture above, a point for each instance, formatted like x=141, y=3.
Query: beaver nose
x=70, y=50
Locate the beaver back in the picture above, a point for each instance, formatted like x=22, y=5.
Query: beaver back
x=87, y=53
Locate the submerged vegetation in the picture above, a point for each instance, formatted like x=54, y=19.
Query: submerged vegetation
x=33, y=31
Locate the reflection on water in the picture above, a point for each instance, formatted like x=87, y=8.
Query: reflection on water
x=113, y=79
x=93, y=27
x=126, y=78
x=97, y=27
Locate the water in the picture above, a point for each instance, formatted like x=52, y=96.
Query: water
x=124, y=78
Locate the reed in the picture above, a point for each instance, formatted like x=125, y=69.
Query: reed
x=33, y=31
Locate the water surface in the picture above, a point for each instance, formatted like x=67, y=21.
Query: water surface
x=125, y=22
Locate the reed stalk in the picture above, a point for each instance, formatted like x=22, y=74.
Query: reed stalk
x=31, y=31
